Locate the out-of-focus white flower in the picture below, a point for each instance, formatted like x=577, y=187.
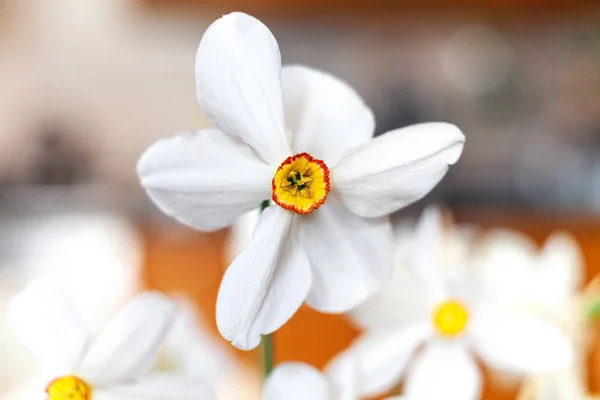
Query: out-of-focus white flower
x=299, y=381
x=115, y=365
x=451, y=318
x=517, y=274
x=304, y=139
x=542, y=281
x=95, y=256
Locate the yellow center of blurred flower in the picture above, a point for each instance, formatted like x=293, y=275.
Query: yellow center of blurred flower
x=68, y=388
x=301, y=184
x=450, y=318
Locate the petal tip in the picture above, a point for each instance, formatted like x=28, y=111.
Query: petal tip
x=457, y=143
x=153, y=299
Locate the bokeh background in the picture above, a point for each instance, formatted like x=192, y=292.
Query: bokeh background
x=87, y=85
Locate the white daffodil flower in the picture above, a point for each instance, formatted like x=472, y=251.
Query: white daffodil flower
x=303, y=139
x=544, y=282
x=451, y=320
x=112, y=367
x=299, y=381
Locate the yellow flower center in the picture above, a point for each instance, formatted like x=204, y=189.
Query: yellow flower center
x=301, y=184
x=450, y=318
x=68, y=388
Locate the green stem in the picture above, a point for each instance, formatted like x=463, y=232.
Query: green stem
x=266, y=346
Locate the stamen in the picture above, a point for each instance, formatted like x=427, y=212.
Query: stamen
x=450, y=318
x=301, y=184
x=68, y=388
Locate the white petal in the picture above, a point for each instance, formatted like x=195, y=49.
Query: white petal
x=404, y=298
x=444, y=370
x=204, y=179
x=351, y=256
x=504, y=263
x=428, y=253
x=325, y=115
x=521, y=344
x=238, y=83
x=296, y=381
x=381, y=357
x=240, y=234
x=399, y=303
x=49, y=325
x=127, y=347
x=192, y=349
x=397, y=168
x=560, y=271
x=341, y=373
x=265, y=284
x=158, y=386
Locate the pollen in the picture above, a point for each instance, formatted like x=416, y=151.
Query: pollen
x=450, y=318
x=301, y=184
x=68, y=388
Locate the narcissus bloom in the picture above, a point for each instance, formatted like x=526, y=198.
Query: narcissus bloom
x=303, y=139
x=450, y=319
x=115, y=365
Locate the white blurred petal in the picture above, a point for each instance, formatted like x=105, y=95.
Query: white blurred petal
x=521, y=344
x=381, y=357
x=238, y=84
x=191, y=349
x=326, y=116
x=96, y=258
x=399, y=303
x=428, y=253
x=296, y=381
x=49, y=325
x=396, y=168
x=158, y=386
x=505, y=263
x=444, y=370
x=350, y=256
x=127, y=347
x=204, y=179
x=265, y=284
x=560, y=270
x=240, y=234
x=341, y=372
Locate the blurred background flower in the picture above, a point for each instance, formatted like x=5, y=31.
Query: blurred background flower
x=87, y=85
